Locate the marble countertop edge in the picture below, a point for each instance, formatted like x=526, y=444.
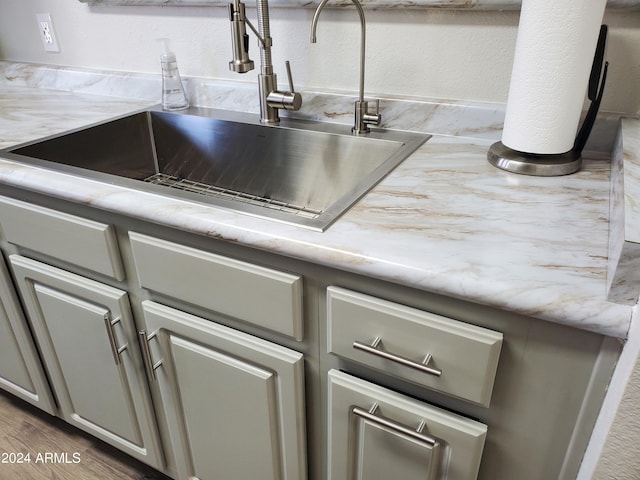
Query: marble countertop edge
x=624, y=233
x=482, y=5
x=611, y=319
x=431, y=232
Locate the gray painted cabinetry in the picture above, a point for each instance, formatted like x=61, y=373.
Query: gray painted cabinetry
x=21, y=372
x=234, y=403
x=375, y=433
x=226, y=404
x=212, y=361
x=88, y=343
x=254, y=294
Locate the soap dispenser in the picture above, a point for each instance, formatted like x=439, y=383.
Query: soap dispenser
x=173, y=95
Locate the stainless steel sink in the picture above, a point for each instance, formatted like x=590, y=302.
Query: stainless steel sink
x=304, y=173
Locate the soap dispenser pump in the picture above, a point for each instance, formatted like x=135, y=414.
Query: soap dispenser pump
x=173, y=94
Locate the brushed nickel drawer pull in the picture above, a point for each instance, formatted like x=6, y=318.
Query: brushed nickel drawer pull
x=115, y=350
x=376, y=349
x=146, y=353
x=417, y=434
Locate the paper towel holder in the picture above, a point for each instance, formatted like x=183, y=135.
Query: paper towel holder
x=551, y=165
x=542, y=165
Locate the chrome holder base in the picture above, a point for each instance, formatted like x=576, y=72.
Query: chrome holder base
x=534, y=164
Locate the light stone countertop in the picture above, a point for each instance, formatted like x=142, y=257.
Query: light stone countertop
x=442, y=4
x=444, y=221
x=624, y=234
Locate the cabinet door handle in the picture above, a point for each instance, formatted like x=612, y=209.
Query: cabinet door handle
x=376, y=349
x=146, y=353
x=416, y=434
x=115, y=350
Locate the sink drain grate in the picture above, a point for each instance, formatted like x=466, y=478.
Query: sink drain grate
x=211, y=191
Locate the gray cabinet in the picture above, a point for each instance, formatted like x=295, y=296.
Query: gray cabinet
x=233, y=403
x=76, y=240
x=376, y=433
x=438, y=352
x=88, y=342
x=399, y=383
x=257, y=295
x=21, y=371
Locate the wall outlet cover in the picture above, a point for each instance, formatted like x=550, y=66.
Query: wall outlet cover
x=45, y=26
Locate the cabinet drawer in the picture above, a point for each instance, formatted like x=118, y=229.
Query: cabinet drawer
x=379, y=433
x=398, y=339
x=261, y=296
x=76, y=240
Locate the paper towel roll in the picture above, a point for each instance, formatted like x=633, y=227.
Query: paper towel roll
x=554, y=52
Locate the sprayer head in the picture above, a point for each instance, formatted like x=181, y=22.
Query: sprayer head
x=241, y=62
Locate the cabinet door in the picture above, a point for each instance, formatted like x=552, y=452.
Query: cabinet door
x=89, y=346
x=234, y=403
x=21, y=372
x=375, y=433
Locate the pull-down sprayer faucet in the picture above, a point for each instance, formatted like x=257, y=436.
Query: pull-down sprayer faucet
x=362, y=116
x=271, y=99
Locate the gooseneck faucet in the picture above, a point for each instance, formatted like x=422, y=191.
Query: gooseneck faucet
x=271, y=99
x=363, y=117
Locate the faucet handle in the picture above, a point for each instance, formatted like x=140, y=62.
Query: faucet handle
x=290, y=100
x=373, y=118
x=363, y=118
x=289, y=77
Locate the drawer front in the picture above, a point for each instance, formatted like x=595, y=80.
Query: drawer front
x=76, y=240
x=258, y=295
x=434, y=351
x=378, y=433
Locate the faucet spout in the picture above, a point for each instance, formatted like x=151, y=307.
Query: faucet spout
x=362, y=116
x=316, y=17
x=271, y=99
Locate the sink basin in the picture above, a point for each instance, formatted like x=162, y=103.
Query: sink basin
x=304, y=173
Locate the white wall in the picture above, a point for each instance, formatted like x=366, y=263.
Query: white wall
x=428, y=53
x=463, y=55
x=620, y=457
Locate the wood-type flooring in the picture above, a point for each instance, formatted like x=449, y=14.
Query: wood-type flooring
x=37, y=446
